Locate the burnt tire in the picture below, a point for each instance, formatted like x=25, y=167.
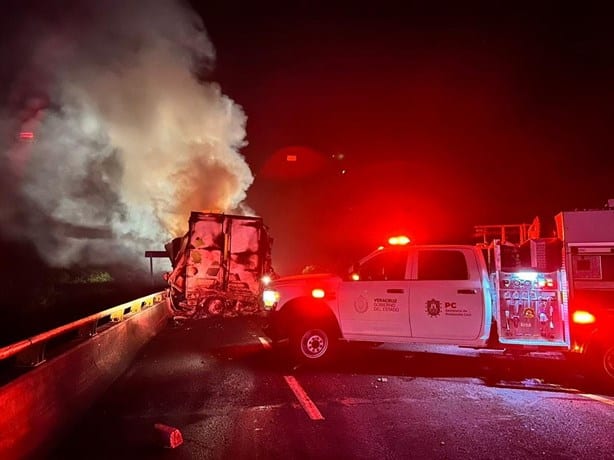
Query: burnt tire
x=215, y=307
x=313, y=344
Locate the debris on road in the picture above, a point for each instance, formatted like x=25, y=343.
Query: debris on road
x=534, y=384
x=168, y=436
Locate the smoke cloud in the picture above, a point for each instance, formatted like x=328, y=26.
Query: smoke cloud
x=128, y=138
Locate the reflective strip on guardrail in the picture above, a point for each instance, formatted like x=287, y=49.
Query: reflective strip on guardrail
x=89, y=323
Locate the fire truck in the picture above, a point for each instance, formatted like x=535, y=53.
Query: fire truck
x=220, y=265
x=552, y=294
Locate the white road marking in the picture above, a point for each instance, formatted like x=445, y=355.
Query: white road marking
x=309, y=406
x=598, y=398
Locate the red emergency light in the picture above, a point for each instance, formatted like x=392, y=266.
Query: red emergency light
x=26, y=135
x=398, y=240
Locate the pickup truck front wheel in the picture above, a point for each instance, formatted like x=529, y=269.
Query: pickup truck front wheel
x=313, y=344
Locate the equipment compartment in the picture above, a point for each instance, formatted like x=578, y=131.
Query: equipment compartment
x=531, y=309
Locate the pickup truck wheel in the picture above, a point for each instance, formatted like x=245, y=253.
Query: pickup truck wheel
x=602, y=364
x=313, y=344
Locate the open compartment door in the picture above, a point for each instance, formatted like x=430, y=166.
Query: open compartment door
x=532, y=309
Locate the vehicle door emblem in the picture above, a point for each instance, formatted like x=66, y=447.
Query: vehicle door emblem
x=361, y=305
x=433, y=307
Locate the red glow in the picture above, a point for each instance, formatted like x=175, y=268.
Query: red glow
x=398, y=240
x=583, y=317
x=26, y=135
x=293, y=162
x=318, y=293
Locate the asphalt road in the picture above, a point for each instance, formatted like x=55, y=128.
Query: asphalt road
x=232, y=397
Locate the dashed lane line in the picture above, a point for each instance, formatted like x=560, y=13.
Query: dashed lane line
x=312, y=410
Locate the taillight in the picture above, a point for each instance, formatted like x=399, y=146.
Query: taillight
x=26, y=135
x=583, y=317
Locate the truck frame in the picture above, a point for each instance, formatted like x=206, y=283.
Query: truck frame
x=219, y=264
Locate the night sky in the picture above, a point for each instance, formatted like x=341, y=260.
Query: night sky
x=445, y=117
x=426, y=118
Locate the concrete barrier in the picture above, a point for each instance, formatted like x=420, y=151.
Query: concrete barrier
x=37, y=407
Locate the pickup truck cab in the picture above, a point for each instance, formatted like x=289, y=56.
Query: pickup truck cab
x=398, y=294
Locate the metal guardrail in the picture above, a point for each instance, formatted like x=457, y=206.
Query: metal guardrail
x=31, y=352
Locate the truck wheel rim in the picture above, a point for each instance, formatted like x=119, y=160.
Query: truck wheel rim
x=608, y=361
x=314, y=343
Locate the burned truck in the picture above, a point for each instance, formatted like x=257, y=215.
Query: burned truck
x=220, y=266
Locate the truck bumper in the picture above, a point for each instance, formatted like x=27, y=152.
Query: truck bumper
x=274, y=327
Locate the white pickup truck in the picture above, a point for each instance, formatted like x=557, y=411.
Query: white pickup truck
x=443, y=294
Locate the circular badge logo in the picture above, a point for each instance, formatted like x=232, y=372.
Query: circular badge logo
x=361, y=305
x=433, y=307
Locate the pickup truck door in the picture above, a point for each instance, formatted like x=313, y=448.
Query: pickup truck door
x=377, y=303
x=446, y=295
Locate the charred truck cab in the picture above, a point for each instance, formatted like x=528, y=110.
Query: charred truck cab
x=540, y=294
x=220, y=265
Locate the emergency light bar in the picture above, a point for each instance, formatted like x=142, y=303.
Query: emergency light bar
x=398, y=240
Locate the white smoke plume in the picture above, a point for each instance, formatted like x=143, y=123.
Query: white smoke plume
x=128, y=138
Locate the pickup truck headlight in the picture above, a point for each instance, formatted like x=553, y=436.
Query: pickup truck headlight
x=270, y=298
